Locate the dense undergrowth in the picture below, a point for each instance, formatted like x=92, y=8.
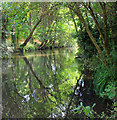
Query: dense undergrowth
x=104, y=82
x=104, y=79
x=103, y=76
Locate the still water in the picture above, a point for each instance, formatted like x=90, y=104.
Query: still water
x=40, y=85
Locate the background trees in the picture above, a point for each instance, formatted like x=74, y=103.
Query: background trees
x=39, y=23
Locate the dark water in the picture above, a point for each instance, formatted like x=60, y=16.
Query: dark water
x=40, y=85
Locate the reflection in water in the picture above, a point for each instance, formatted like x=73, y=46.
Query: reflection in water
x=44, y=84
x=39, y=85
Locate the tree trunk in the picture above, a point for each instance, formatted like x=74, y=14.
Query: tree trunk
x=79, y=14
x=95, y=20
x=28, y=38
x=74, y=21
x=31, y=33
x=105, y=43
x=17, y=36
x=104, y=40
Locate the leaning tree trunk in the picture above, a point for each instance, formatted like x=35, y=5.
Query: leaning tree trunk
x=79, y=14
x=31, y=33
x=28, y=38
x=104, y=40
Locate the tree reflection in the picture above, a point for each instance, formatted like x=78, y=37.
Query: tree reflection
x=41, y=84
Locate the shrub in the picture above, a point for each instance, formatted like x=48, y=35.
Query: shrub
x=105, y=79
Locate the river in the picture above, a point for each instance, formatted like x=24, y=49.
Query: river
x=41, y=84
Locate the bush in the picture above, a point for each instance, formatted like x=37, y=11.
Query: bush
x=109, y=91
x=105, y=79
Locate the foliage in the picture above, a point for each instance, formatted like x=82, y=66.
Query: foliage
x=113, y=113
x=53, y=31
x=92, y=24
x=30, y=47
x=105, y=79
x=87, y=111
x=5, y=52
x=109, y=91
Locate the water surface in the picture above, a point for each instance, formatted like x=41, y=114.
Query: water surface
x=41, y=85
x=38, y=84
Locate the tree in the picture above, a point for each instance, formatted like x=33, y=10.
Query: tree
x=104, y=39
x=41, y=17
x=77, y=11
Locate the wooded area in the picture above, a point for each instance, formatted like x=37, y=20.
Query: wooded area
x=89, y=26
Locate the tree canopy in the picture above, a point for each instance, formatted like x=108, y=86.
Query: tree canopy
x=88, y=26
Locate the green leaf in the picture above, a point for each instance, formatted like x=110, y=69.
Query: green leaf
x=93, y=105
x=76, y=112
x=87, y=110
x=78, y=108
x=81, y=103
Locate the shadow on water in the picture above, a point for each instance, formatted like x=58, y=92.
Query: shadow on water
x=44, y=84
